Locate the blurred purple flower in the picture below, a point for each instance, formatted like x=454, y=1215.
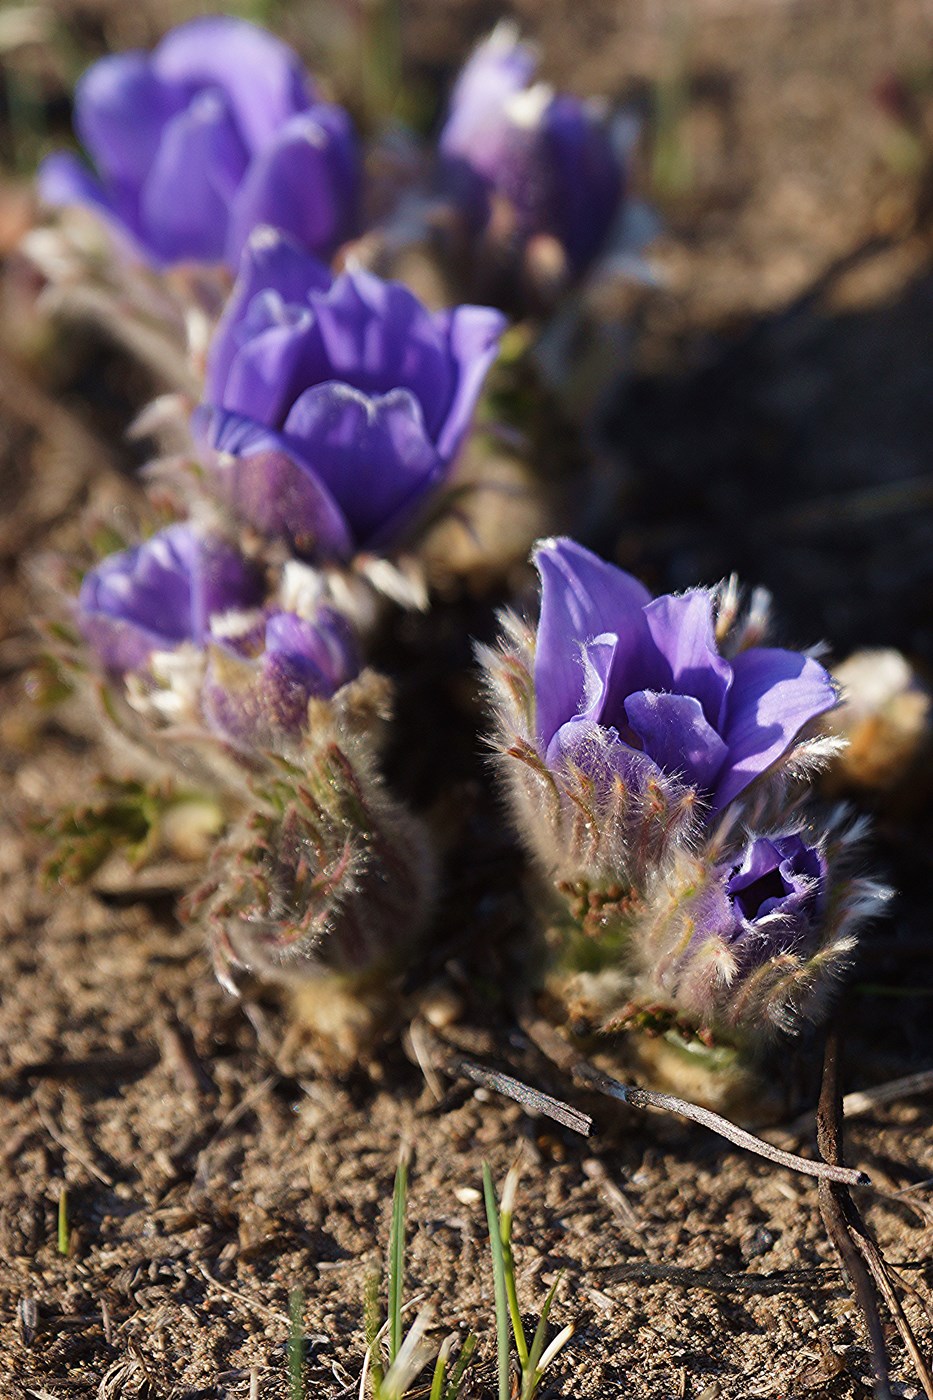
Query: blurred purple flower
x=334, y=408
x=547, y=158
x=258, y=683
x=216, y=132
x=641, y=683
x=161, y=594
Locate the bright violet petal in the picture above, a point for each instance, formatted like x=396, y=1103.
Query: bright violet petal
x=372, y=454
x=300, y=185
x=262, y=76
x=269, y=486
x=186, y=199
x=378, y=336
x=326, y=647
x=277, y=341
x=774, y=694
x=161, y=593
x=682, y=629
x=601, y=755
x=582, y=597
x=63, y=179
x=120, y=110
x=473, y=334
x=677, y=735
x=271, y=262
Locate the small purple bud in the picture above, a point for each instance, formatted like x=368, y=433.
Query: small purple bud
x=160, y=594
x=259, y=682
x=335, y=409
x=194, y=145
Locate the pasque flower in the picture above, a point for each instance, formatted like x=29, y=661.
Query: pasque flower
x=547, y=160
x=654, y=755
x=162, y=593
x=183, y=610
x=335, y=408
x=262, y=672
x=216, y=131
x=647, y=677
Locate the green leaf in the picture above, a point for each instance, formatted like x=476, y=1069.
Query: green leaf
x=498, y=1277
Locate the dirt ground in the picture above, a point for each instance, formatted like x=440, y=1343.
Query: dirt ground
x=778, y=421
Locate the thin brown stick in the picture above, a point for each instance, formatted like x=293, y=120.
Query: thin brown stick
x=863, y=1260
x=452, y=1062
x=557, y=1049
x=835, y=1208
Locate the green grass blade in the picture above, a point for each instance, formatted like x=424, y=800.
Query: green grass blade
x=438, y=1389
x=64, y=1232
x=512, y=1292
x=498, y=1278
x=459, y=1370
x=530, y=1376
x=296, y=1345
x=397, y=1258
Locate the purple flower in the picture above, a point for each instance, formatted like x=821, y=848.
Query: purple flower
x=335, y=408
x=547, y=159
x=161, y=594
x=642, y=681
x=780, y=879
x=216, y=132
x=259, y=682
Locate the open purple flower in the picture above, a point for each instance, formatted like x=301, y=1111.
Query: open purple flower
x=642, y=681
x=547, y=159
x=161, y=594
x=215, y=132
x=335, y=408
x=259, y=681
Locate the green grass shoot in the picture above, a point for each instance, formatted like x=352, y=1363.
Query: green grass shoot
x=533, y=1361
x=296, y=1344
x=408, y=1353
x=64, y=1230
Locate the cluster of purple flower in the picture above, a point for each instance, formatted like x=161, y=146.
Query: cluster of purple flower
x=655, y=758
x=654, y=755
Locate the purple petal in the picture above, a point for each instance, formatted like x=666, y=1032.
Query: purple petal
x=120, y=110
x=372, y=454
x=586, y=178
x=473, y=334
x=271, y=262
x=269, y=487
x=160, y=594
x=62, y=179
x=602, y=756
x=677, y=735
x=582, y=597
x=682, y=630
x=378, y=336
x=774, y=694
x=262, y=76
x=781, y=876
x=498, y=69
x=278, y=340
x=186, y=199
x=221, y=581
x=304, y=183
x=324, y=651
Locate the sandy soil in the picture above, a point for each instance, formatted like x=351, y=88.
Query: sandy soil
x=778, y=422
